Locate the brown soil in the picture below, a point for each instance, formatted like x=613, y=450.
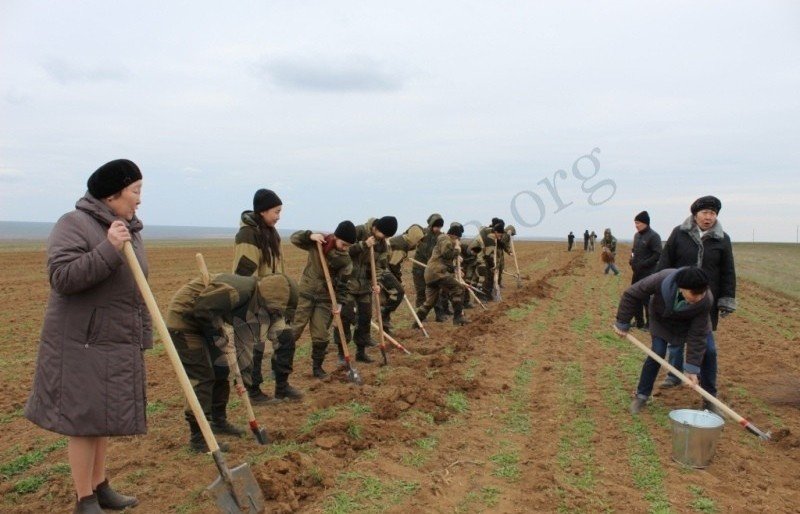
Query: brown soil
x=424, y=433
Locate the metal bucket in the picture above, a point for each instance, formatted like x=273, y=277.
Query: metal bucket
x=694, y=436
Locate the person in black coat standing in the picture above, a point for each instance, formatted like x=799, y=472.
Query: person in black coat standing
x=645, y=254
x=570, y=241
x=700, y=241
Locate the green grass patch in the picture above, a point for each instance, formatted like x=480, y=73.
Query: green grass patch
x=358, y=409
x=490, y=496
x=518, y=419
x=521, y=312
x=506, y=465
x=775, y=266
x=11, y=416
x=155, y=407
x=29, y=484
x=278, y=450
x=354, y=430
x=317, y=417
x=371, y=494
x=29, y=459
x=457, y=401
x=700, y=502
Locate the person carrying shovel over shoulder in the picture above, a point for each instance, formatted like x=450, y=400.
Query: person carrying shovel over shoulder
x=196, y=319
x=391, y=281
x=358, y=308
x=680, y=303
x=314, y=304
x=440, y=275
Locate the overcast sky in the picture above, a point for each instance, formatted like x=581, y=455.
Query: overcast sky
x=358, y=109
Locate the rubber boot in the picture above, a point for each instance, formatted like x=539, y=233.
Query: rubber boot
x=458, y=316
x=108, y=498
x=422, y=313
x=440, y=317
x=317, y=370
x=88, y=505
x=197, y=442
x=361, y=355
x=283, y=391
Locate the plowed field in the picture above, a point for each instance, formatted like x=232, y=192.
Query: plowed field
x=522, y=410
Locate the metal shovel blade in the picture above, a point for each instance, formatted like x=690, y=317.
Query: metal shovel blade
x=354, y=377
x=243, y=488
x=260, y=433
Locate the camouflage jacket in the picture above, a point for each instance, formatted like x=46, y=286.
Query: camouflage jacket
x=312, y=283
x=442, y=262
x=426, y=245
x=248, y=258
x=360, y=281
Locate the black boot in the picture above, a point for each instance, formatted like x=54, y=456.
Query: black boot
x=422, y=313
x=256, y=396
x=221, y=425
x=197, y=442
x=317, y=370
x=361, y=355
x=87, y=505
x=283, y=391
x=440, y=317
x=386, y=317
x=108, y=498
x=458, y=316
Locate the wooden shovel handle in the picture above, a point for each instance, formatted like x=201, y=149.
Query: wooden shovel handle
x=337, y=317
x=705, y=394
x=377, y=296
x=230, y=350
x=172, y=353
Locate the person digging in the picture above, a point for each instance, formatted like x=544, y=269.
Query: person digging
x=680, y=303
x=196, y=317
x=440, y=275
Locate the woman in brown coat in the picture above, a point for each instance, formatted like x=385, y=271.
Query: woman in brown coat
x=90, y=377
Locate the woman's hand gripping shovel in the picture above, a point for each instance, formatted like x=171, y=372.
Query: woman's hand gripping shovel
x=235, y=490
x=352, y=373
x=259, y=432
x=377, y=301
x=705, y=394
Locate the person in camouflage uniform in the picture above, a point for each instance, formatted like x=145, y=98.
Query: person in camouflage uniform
x=391, y=281
x=196, y=319
x=440, y=275
x=314, y=305
x=358, y=307
x=483, y=247
x=423, y=253
x=257, y=253
x=504, y=244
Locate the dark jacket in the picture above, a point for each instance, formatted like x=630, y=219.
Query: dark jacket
x=645, y=253
x=312, y=283
x=425, y=246
x=360, y=281
x=689, y=324
x=90, y=374
x=714, y=254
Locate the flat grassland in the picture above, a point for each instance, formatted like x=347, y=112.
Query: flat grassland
x=522, y=410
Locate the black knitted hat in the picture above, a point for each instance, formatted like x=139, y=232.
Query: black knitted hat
x=387, y=225
x=456, y=229
x=112, y=177
x=346, y=231
x=706, y=202
x=438, y=222
x=264, y=200
x=643, y=217
x=499, y=227
x=692, y=277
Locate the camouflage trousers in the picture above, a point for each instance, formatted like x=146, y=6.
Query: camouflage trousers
x=317, y=315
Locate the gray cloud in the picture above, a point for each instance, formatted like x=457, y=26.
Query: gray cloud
x=65, y=72
x=353, y=73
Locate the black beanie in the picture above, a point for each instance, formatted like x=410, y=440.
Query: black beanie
x=264, y=200
x=456, y=229
x=691, y=277
x=112, y=177
x=386, y=225
x=346, y=231
x=643, y=217
x=438, y=222
x=494, y=221
x=706, y=202
x=499, y=227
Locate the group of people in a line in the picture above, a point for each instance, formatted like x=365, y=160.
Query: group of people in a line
x=89, y=382
x=589, y=240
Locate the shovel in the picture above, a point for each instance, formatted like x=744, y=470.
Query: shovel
x=390, y=338
x=496, y=289
x=516, y=263
x=414, y=313
x=377, y=296
x=705, y=394
x=260, y=433
x=235, y=490
x=470, y=288
x=352, y=373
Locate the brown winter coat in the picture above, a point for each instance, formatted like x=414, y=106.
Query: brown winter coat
x=90, y=374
